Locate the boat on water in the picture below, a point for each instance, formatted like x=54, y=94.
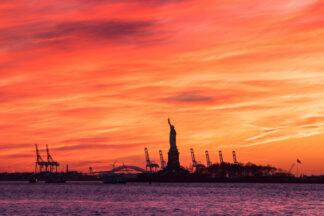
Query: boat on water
x=114, y=179
x=33, y=180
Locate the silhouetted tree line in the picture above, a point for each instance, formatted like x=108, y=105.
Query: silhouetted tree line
x=242, y=170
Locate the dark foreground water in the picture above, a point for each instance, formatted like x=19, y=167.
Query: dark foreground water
x=95, y=198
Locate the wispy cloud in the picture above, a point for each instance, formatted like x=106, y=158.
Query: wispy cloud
x=68, y=33
x=188, y=97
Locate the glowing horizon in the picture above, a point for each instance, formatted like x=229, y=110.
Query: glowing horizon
x=97, y=80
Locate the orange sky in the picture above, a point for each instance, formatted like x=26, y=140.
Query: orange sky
x=96, y=80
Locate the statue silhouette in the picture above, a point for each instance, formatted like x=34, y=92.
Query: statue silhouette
x=173, y=135
x=173, y=154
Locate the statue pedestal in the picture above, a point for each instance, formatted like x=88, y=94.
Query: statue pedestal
x=173, y=159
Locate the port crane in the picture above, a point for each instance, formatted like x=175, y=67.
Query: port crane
x=234, y=157
x=163, y=163
x=45, y=166
x=51, y=163
x=209, y=163
x=221, y=157
x=40, y=164
x=150, y=164
x=195, y=164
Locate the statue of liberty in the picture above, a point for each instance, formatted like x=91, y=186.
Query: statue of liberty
x=173, y=135
x=173, y=154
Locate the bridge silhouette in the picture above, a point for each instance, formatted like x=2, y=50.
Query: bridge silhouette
x=130, y=169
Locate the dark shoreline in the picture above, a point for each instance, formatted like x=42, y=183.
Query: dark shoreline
x=166, y=177
x=249, y=181
x=175, y=182
x=229, y=180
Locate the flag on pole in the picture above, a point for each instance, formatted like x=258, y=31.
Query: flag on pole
x=298, y=161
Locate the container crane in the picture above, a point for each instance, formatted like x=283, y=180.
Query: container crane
x=150, y=164
x=209, y=163
x=51, y=162
x=163, y=163
x=234, y=157
x=40, y=164
x=221, y=157
x=195, y=164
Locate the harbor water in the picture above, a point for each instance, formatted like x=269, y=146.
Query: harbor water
x=95, y=198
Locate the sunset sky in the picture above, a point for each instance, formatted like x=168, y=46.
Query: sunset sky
x=96, y=80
